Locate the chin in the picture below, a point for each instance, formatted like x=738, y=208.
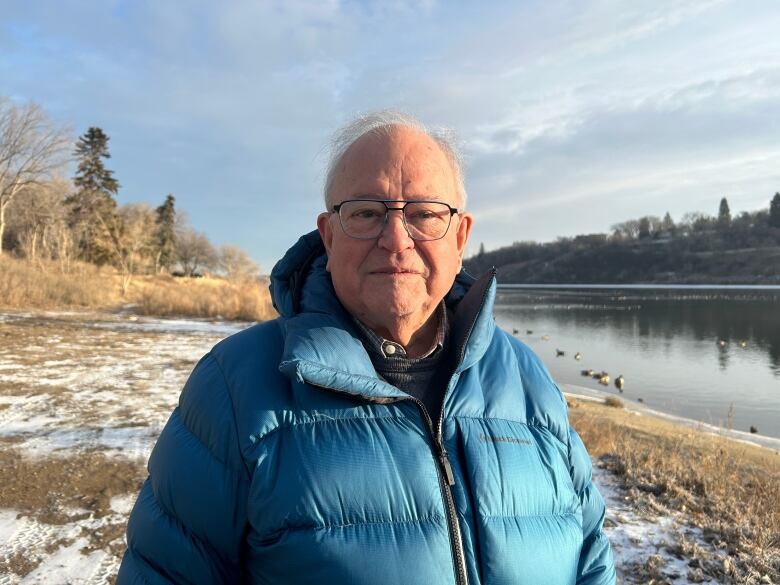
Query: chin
x=396, y=304
x=400, y=291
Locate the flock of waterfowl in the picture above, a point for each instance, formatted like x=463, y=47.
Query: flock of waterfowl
x=603, y=377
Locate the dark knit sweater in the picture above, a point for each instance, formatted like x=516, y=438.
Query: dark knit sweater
x=423, y=378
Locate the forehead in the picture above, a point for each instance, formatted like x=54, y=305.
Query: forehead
x=394, y=164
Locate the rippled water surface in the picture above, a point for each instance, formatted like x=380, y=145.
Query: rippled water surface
x=707, y=354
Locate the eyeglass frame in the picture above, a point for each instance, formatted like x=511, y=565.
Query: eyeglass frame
x=388, y=209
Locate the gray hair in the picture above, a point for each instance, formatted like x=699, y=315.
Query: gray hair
x=382, y=122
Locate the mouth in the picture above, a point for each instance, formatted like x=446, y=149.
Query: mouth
x=395, y=272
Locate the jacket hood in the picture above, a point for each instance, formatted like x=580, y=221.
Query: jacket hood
x=322, y=344
x=303, y=263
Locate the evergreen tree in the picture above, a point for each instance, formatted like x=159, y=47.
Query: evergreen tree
x=92, y=176
x=92, y=206
x=667, y=224
x=165, y=234
x=724, y=213
x=481, y=248
x=774, y=211
x=644, y=228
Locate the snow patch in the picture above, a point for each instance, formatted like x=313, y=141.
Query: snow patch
x=122, y=504
x=8, y=526
x=129, y=442
x=68, y=565
x=177, y=325
x=635, y=539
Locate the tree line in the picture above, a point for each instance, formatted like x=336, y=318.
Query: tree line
x=45, y=216
x=699, y=248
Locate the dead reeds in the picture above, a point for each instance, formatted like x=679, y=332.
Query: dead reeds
x=246, y=300
x=730, y=490
x=24, y=285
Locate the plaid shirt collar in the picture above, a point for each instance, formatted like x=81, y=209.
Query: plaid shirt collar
x=391, y=349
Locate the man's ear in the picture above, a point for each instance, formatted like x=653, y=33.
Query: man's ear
x=325, y=227
x=465, y=222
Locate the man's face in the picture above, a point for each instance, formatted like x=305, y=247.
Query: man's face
x=393, y=279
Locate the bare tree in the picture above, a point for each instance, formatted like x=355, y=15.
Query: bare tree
x=236, y=264
x=193, y=250
x=627, y=230
x=131, y=235
x=696, y=221
x=32, y=147
x=37, y=221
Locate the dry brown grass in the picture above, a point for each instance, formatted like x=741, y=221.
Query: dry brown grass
x=730, y=490
x=203, y=297
x=44, y=286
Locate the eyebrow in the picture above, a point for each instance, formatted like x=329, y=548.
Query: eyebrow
x=378, y=197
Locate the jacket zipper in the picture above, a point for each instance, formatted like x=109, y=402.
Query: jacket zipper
x=456, y=539
x=444, y=469
x=446, y=480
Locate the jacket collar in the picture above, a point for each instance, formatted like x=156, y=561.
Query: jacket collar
x=321, y=343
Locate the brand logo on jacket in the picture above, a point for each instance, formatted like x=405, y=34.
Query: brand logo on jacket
x=494, y=439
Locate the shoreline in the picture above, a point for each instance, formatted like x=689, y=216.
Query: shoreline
x=126, y=312
x=593, y=395
x=645, y=286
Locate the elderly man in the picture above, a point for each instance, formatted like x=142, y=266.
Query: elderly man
x=382, y=429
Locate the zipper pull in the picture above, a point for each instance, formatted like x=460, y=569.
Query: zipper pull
x=445, y=463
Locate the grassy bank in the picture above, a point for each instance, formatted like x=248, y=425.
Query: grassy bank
x=202, y=297
x=44, y=286
x=730, y=490
x=23, y=286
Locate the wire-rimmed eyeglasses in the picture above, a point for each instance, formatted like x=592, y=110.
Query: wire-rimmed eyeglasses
x=364, y=219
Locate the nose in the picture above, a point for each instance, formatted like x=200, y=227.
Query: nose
x=395, y=237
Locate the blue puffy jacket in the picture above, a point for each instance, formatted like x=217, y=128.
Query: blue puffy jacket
x=289, y=461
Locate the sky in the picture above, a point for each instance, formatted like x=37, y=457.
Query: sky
x=573, y=115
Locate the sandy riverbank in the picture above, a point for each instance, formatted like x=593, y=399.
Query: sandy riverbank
x=589, y=394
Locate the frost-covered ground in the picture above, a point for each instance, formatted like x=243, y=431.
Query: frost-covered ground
x=650, y=547
x=83, y=397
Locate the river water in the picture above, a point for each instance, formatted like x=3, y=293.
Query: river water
x=707, y=353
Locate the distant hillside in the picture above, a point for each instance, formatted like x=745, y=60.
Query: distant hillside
x=699, y=250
